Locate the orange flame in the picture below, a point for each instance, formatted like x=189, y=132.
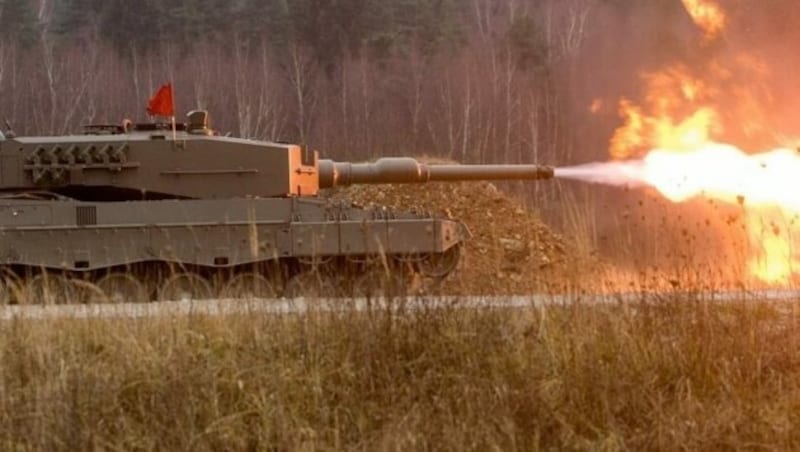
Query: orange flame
x=596, y=106
x=668, y=93
x=707, y=15
x=683, y=161
x=765, y=184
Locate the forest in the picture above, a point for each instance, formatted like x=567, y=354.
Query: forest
x=476, y=81
x=472, y=80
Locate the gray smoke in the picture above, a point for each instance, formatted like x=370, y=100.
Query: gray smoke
x=628, y=173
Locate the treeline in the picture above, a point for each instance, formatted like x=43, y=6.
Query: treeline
x=476, y=80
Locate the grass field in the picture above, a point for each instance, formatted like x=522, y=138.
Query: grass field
x=644, y=376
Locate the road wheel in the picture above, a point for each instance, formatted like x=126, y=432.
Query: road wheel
x=85, y=292
x=310, y=285
x=6, y=293
x=49, y=289
x=185, y=287
x=249, y=286
x=122, y=287
x=379, y=283
x=439, y=265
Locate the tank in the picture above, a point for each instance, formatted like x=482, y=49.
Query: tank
x=140, y=212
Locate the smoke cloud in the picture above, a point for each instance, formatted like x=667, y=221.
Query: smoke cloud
x=629, y=173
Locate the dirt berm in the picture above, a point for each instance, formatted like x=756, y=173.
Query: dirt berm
x=511, y=252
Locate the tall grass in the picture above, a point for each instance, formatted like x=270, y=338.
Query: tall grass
x=668, y=375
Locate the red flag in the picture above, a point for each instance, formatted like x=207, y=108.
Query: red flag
x=162, y=104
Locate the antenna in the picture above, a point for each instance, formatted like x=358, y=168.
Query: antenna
x=9, y=131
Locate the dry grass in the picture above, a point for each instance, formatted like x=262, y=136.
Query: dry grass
x=660, y=376
x=673, y=374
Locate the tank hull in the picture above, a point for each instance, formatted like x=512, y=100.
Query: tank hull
x=278, y=238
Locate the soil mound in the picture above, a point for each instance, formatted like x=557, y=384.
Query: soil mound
x=511, y=252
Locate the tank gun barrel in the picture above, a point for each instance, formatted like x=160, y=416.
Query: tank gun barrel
x=404, y=170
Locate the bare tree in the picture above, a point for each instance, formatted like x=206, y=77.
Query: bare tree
x=573, y=24
x=416, y=84
x=485, y=17
x=258, y=111
x=302, y=73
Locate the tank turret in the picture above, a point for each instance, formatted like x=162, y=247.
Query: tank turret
x=134, y=212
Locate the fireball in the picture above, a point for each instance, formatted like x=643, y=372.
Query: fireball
x=675, y=134
x=707, y=15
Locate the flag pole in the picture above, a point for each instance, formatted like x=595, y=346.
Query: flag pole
x=172, y=99
x=162, y=105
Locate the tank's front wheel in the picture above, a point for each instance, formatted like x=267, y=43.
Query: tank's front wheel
x=439, y=265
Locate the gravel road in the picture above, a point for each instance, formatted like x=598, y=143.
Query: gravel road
x=222, y=307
